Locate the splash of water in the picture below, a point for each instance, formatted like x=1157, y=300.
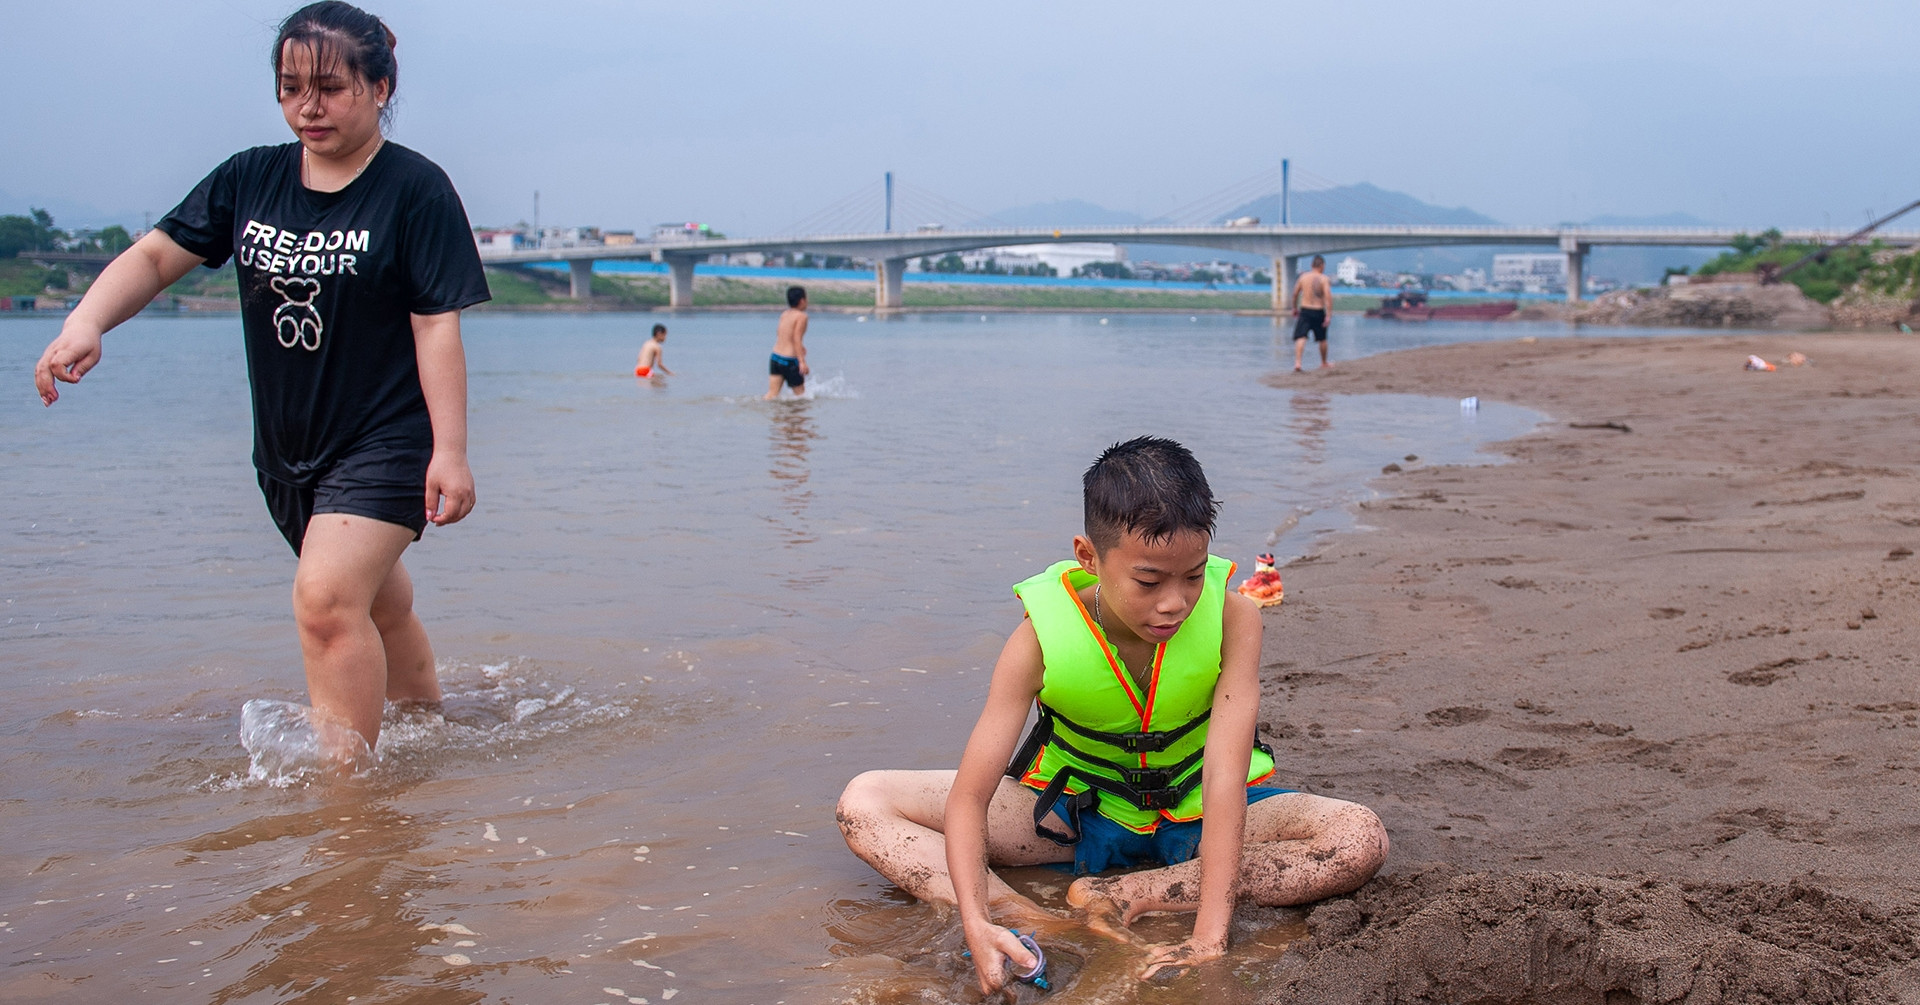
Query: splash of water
x=288, y=744
x=835, y=386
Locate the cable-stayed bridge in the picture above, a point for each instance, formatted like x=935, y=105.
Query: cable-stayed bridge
x=837, y=231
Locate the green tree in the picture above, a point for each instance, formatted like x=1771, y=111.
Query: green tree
x=27, y=233
x=114, y=239
x=1105, y=270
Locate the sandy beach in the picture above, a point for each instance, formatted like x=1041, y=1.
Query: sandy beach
x=1637, y=706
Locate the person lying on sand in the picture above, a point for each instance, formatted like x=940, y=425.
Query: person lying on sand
x=1143, y=667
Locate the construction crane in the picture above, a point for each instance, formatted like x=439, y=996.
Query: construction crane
x=1770, y=273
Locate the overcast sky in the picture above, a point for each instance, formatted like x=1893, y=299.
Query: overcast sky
x=752, y=116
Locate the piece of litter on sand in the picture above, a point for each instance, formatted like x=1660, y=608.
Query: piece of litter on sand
x=491, y=834
x=644, y=963
x=911, y=670
x=457, y=959
x=791, y=834
x=1621, y=426
x=1756, y=363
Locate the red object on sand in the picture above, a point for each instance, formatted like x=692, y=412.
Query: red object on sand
x=1263, y=587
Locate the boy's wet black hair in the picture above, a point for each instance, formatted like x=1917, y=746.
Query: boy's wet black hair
x=795, y=294
x=659, y=329
x=1148, y=485
x=342, y=35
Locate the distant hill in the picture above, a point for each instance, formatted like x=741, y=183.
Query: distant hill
x=1065, y=213
x=1362, y=203
x=1368, y=203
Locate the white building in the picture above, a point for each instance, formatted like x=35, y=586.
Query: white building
x=682, y=232
x=1004, y=259
x=1530, y=273
x=568, y=237
x=1064, y=258
x=1347, y=273
x=499, y=240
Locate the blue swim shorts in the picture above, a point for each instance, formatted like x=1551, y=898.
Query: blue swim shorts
x=1106, y=845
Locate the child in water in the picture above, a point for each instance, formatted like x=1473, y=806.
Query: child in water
x=1143, y=666
x=653, y=355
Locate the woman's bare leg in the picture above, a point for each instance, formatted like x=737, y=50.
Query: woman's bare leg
x=894, y=821
x=345, y=563
x=1299, y=848
x=411, y=678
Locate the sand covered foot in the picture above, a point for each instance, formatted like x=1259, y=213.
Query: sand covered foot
x=1103, y=912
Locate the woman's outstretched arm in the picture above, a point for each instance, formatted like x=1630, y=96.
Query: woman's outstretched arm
x=127, y=284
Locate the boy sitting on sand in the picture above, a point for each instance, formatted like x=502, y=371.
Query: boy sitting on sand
x=1143, y=667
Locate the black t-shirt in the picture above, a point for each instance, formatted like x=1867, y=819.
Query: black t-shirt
x=327, y=281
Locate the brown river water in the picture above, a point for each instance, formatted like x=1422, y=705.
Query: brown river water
x=680, y=619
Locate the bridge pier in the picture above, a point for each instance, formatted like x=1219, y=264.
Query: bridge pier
x=1283, y=280
x=887, y=277
x=1576, y=266
x=679, y=281
x=580, y=276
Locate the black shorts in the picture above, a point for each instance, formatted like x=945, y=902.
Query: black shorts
x=1314, y=320
x=787, y=367
x=379, y=481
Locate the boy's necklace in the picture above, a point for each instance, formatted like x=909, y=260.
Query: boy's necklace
x=1096, y=609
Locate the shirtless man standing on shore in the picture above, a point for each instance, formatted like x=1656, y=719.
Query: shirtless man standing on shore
x=789, y=362
x=1313, y=306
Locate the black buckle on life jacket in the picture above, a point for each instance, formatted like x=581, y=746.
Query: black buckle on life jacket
x=1159, y=799
x=1149, y=743
x=1147, y=778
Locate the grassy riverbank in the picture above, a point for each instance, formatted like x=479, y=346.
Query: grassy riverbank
x=527, y=288
x=538, y=289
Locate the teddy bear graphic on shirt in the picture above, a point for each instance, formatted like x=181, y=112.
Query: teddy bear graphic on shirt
x=296, y=322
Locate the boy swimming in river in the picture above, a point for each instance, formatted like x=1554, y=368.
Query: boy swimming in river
x=1143, y=668
x=653, y=355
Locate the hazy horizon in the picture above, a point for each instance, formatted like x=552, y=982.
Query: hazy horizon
x=751, y=118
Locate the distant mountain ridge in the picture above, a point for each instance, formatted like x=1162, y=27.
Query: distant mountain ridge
x=1368, y=203
x=1361, y=203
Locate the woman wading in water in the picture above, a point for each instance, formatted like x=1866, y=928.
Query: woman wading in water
x=355, y=259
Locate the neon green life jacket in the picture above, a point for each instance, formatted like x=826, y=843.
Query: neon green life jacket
x=1098, y=741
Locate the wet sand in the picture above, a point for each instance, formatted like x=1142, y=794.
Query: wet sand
x=1638, y=709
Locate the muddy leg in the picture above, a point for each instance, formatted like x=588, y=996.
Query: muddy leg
x=893, y=821
x=1299, y=848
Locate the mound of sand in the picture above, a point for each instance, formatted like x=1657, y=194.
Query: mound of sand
x=1708, y=305
x=1542, y=937
x=1859, y=308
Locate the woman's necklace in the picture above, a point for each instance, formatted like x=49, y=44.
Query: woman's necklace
x=306, y=173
